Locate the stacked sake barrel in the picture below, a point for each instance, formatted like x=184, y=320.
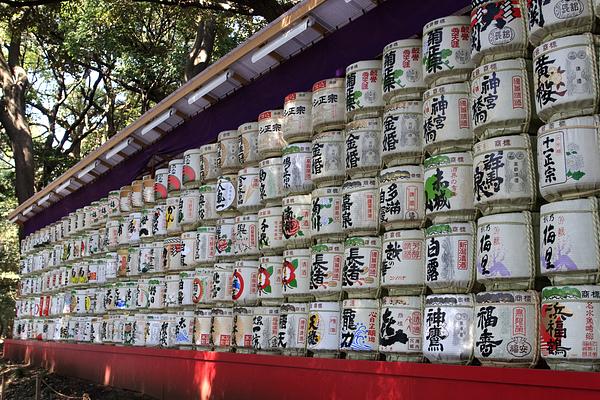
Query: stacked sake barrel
x=565, y=84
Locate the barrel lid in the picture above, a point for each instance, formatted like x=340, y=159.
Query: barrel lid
x=298, y=199
x=296, y=253
x=585, y=39
x=466, y=228
x=324, y=306
x=192, y=151
x=588, y=292
x=369, y=241
x=327, y=191
x=293, y=308
x=270, y=114
x=515, y=296
x=305, y=147
x=441, y=160
x=512, y=64
x=521, y=141
x=338, y=83
x=209, y=148
x=352, y=185
x=403, y=172
x=335, y=135
x=176, y=161
x=404, y=234
x=248, y=127
x=277, y=210
x=246, y=218
x=360, y=303
x=298, y=96
x=368, y=124
x=446, y=21
x=406, y=107
x=398, y=44
x=451, y=88
x=206, y=229
x=226, y=221
x=161, y=171
x=582, y=205
x=506, y=218
x=270, y=161
x=456, y=300
x=249, y=171
x=246, y=264
x=230, y=134
x=402, y=301
x=327, y=247
x=271, y=259
x=365, y=64
x=587, y=122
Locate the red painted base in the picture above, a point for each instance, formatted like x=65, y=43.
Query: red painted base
x=187, y=374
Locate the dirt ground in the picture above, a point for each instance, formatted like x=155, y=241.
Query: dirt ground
x=20, y=383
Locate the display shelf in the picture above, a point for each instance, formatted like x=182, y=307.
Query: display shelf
x=188, y=374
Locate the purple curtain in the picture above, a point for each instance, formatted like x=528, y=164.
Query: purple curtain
x=362, y=39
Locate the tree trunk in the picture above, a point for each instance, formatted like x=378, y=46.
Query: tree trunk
x=15, y=84
x=201, y=52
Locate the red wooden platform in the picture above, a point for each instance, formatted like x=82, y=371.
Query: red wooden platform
x=186, y=374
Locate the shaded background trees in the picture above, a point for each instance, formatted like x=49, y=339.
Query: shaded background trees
x=74, y=73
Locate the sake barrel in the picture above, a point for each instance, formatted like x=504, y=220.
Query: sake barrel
x=504, y=175
x=222, y=327
x=160, y=258
x=364, y=97
x=143, y=295
x=400, y=197
x=248, y=200
x=241, y=338
x=296, y=221
x=245, y=242
x=128, y=330
x=359, y=337
x=565, y=77
x=133, y=261
x=189, y=250
x=448, y=328
x=271, y=181
x=190, y=199
x=207, y=211
x=93, y=246
x=227, y=153
x=248, y=144
x=269, y=280
x=147, y=191
x=122, y=266
x=206, y=239
x=202, y=329
x=326, y=271
x=80, y=213
x=295, y=274
x=502, y=99
x=360, y=207
x=161, y=177
x=506, y=253
x=363, y=152
x=328, y=104
x=172, y=249
x=506, y=328
x=226, y=195
x=498, y=30
x=327, y=162
x=401, y=327
x=556, y=18
x=296, y=173
x=202, y=287
x=222, y=283
x=175, y=177
x=270, y=233
x=111, y=262
x=225, y=236
x=265, y=330
x=147, y=263
x=568, y=154
x=569, y=241
x=146, y=233
x=447, y=50
x=402, y=133
x=569, y=327
x=292, y=328
x=88, y=212
x=154, y=325
x=297, y=118
x=133, y=227
x=326, y=214
x=171, y=291
x=403, y=262
x=166, y=336
x=173, y=214
x=270, y=134
x=402, y=71
x=159, y=220
x=191, y=168
x=244, y=284
x=209, y=167
x=447, y=119
x=137, y=199
x=360, y=275
x=184, y=329
x=449, y=264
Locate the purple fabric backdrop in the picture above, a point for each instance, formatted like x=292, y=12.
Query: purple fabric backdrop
x=362, y=39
